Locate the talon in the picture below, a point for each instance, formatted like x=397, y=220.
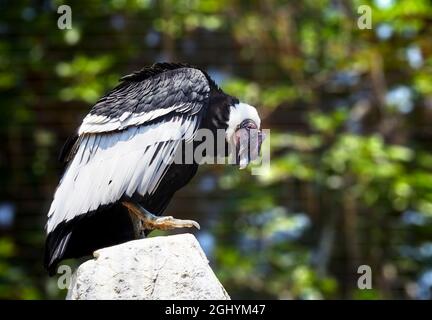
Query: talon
x=151, y=222
x=195, y=224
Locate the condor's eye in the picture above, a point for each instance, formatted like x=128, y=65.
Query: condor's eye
x=248, y=124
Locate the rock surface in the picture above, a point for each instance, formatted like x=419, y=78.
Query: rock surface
x=171, y=267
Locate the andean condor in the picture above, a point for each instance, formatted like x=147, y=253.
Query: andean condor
x=119, y=167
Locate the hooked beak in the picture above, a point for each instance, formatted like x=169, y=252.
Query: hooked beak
x=248, y=143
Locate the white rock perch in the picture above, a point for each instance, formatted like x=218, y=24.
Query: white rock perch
x=171, y=267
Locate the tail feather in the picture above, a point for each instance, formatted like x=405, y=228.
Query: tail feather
x=86, y=233
x=55, y=248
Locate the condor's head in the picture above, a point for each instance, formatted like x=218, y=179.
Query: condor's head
x=244, y=135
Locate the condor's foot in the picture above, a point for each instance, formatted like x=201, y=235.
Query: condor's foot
x=151, y=222
x=168, y=223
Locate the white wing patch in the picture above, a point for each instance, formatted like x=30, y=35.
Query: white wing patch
x=110, y=165
x=98, y=123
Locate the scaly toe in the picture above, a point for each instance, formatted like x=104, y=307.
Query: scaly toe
x=167, y=223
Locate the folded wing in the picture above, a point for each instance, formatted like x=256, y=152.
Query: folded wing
x=128, y=141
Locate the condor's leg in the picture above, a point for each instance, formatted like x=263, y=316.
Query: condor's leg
x=151, y=222
x=137, y=224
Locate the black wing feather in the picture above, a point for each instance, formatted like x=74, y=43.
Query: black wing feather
x=154, y=88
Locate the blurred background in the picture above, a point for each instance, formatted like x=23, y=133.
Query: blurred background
x=349, y=110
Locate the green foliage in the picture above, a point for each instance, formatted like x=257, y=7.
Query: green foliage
x=14, y=283
x=86, y=74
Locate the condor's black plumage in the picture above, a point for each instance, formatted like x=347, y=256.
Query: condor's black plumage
x=124, y=150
